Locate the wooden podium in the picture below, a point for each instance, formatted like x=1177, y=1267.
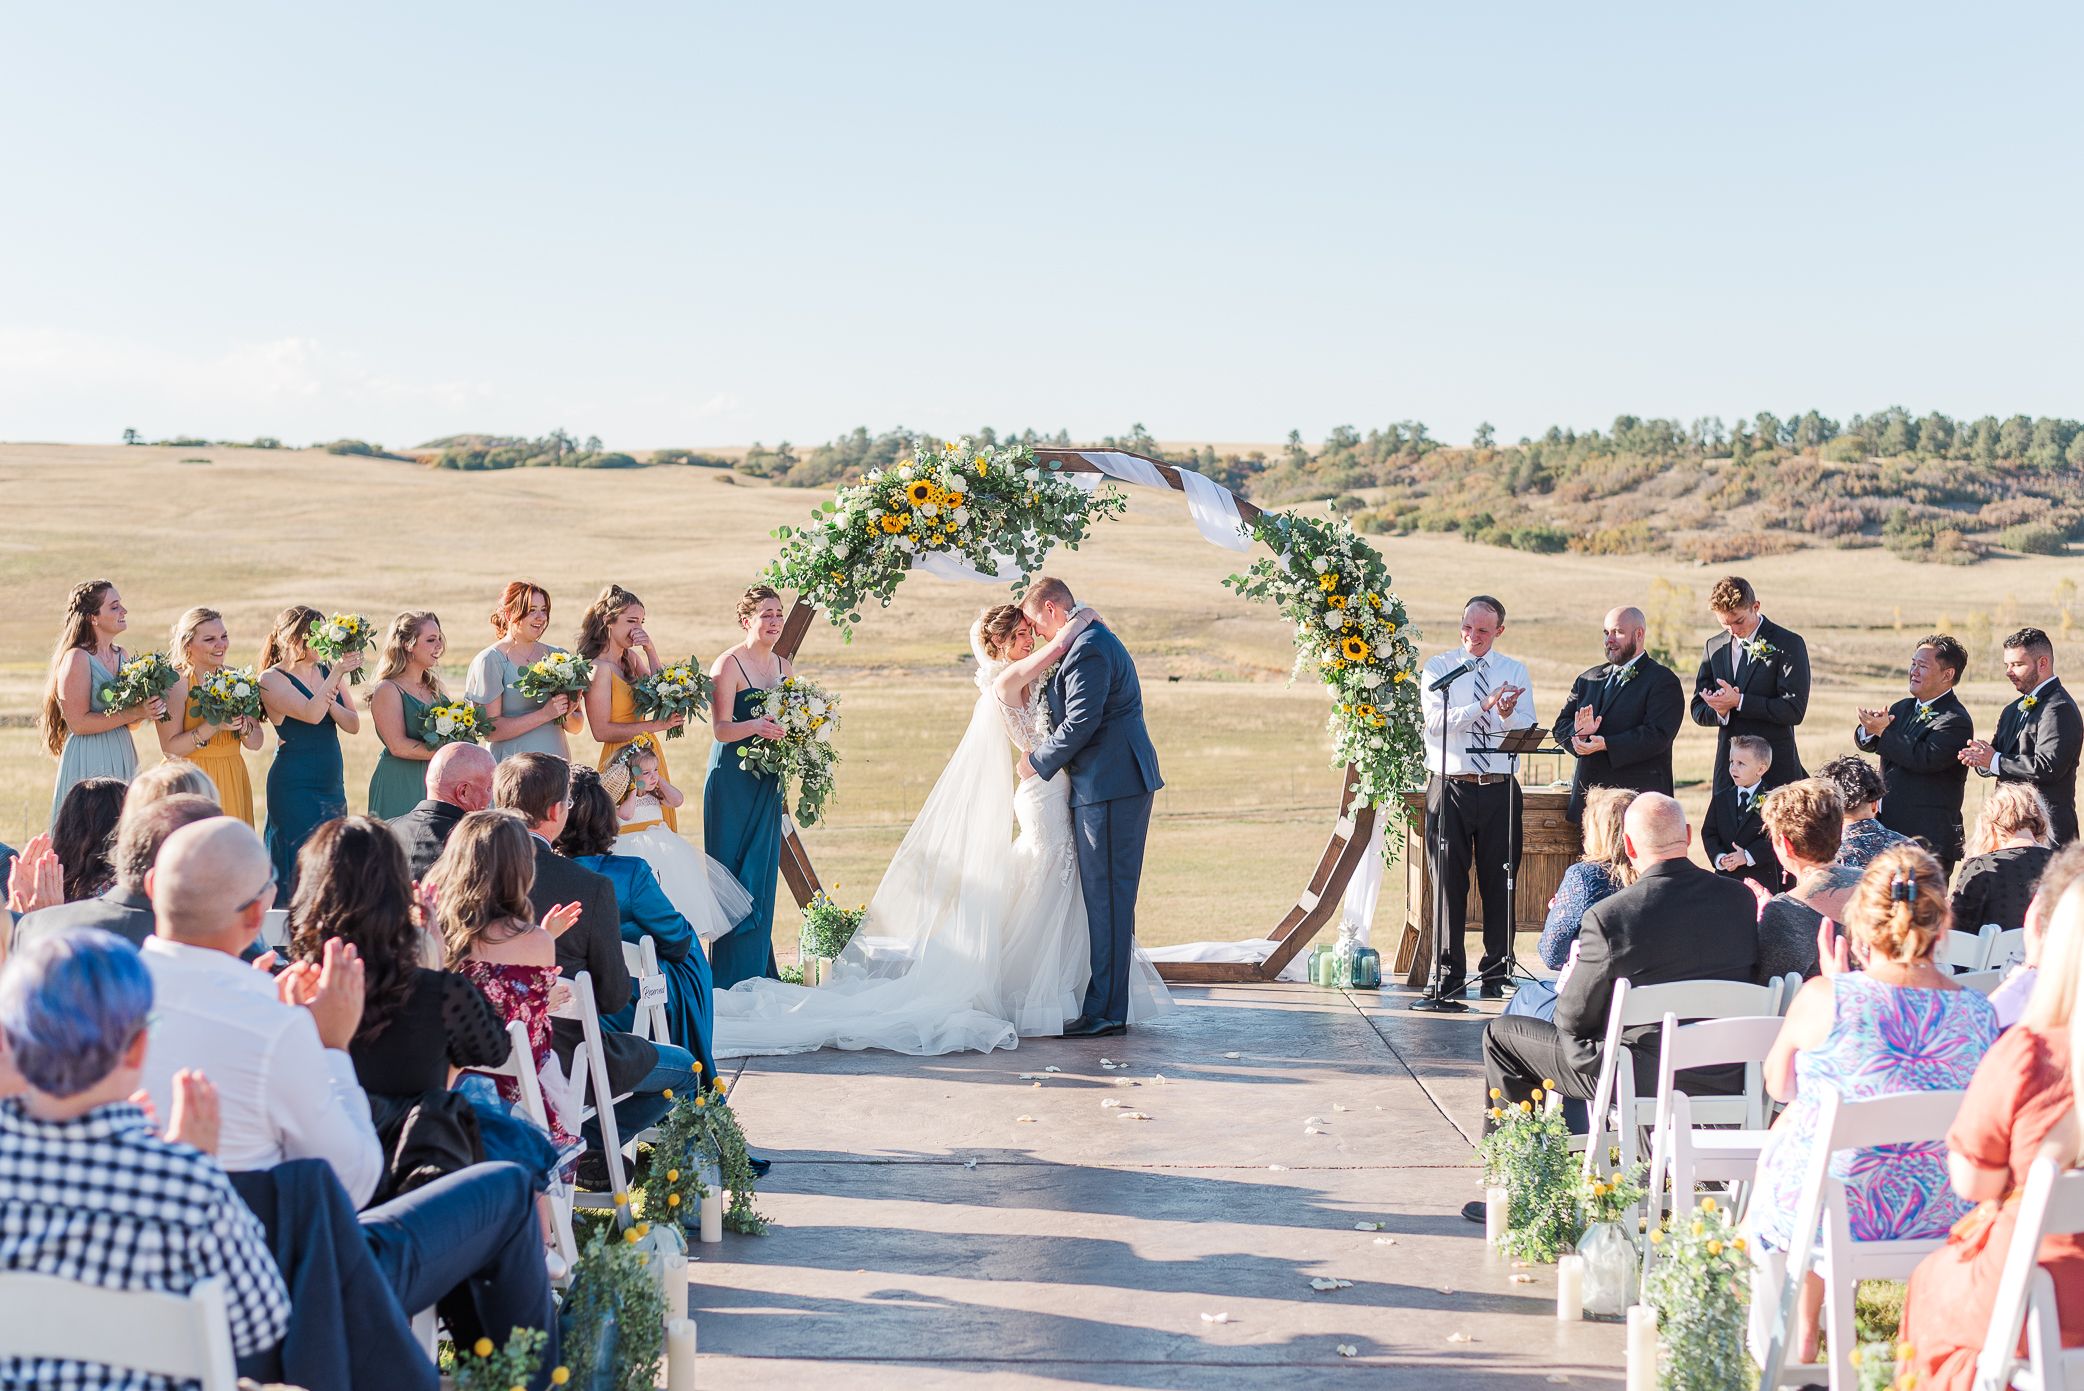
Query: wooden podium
x=1548, y=846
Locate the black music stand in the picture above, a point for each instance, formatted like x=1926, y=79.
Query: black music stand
x=1513, y=743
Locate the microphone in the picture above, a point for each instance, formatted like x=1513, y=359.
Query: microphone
x=1444, y=682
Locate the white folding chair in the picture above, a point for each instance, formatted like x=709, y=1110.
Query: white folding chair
x=2053, y=1204
x=275, y=928
x=642, y=960
x=1789, y=984
x=2009, y=951
x=520, y=1065
x=185, y=1337
x=590, y=1077
x=1981, y=982
x=1902, y=1118
x=1686, y=1154
x=1970, y=951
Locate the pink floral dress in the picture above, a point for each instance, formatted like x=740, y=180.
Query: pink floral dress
x=523, y=993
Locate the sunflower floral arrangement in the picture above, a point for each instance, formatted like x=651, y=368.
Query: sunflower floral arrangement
x=451, y=722
x=809, y=717
x=339, y=635
x=1334, y=588
x=980, y=505
x=1700, y=1287
x=225, y=695
x=682, y=688
x=141, y=679
x=560, y=673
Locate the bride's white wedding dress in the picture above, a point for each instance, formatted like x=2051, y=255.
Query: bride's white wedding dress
x=974, y=939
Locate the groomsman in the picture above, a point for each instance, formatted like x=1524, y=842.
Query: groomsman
x=1920, y=739
x=1622, y=717
x=1472, y=799
x=2039, y=735
x=1753, y=679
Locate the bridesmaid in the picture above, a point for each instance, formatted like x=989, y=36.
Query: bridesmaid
x=88, y=739
x=309, y=705
x=612, y=637
x=199, y=644
x=405, y=688
x=742, y=811
x=518, y=724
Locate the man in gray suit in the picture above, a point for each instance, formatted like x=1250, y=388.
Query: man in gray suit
x=1096, y=704
x=125, y=909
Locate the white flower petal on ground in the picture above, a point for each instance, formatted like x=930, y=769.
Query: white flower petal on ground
x=1132, y=1116
x=1322, y=1283
x=1111, y=1101
x=1521, y=1279
x=969, y=1163
x=1311, y=1130
x=1027, y=1076
x=1052, y=1068
x=1018, y=1119
x=1315, y=1120
x=1336, y=1107
x=1215, y=1318
x=1233, y=1056
x=1459, y=1338
x=1348, y=1350
x=1385, y=1241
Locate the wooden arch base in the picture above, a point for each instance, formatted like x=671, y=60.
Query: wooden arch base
x=1320, y=898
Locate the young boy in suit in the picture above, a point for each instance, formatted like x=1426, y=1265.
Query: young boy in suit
x=1734, y=835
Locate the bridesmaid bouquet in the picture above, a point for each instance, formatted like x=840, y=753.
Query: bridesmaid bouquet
x=225, y=695
x=141, y=679
x=809, y=717
x=339, y=635
x=680, y=689
x=453, y=723
x=560, y=673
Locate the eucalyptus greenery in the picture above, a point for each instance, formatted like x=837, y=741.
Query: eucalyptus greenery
x=1529, y=1155
x=1700, y=1287
x=486, y=1368
x=699, y=1131
x=613, y=1284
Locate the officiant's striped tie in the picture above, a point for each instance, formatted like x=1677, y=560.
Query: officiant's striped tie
x=1481, y=760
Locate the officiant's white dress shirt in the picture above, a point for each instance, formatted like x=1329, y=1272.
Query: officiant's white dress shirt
x=1467, y=722
x=282, y=1093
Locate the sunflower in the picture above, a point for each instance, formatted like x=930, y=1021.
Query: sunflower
x=1327, y=582
x=954, y=499
x=1366, y=712
x=919, y=492
x=1354, y=649
x=1374, y=601
x=940, y=495
x=1337, y=601
x=893, y=523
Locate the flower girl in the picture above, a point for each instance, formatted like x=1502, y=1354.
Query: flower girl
x=706, y=893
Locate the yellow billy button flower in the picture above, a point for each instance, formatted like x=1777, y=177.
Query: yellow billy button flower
x=482, y=1347
x=1707, y=1204
x=1696, y=1229
x=632, y=1236
x=1657, y=1238
x=672, y=1175
x=1537, y=1093
x=1714, y=1248
x=622, y=1199
x=672, y=1200
x=560, y=1376
x=1526, y=1106
x=1549, y=1082
x=667, y=1093
x=1496, y=1094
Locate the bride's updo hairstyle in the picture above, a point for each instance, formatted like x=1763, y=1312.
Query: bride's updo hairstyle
x=750, y=601
x=996, y=626
x=593, y=627
x=1900, y=908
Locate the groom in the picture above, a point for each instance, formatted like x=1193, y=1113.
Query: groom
x=1097, y=707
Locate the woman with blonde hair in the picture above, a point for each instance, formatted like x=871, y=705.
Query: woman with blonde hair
x=2014, y=837
x=199, y=643
x=406, y=688
x=89, y=739
x=309, y=704
x=2020, y=1103
x=170, y=777
x=1896, y=1024
x=742, y=810
x=1603, y=872
x=518, y=724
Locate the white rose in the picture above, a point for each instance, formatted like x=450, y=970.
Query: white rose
x=824, y=734
x=445, y=724
x=1320, y=565
x=242, y=690
x=962, y=516
x=875, y=514
x=841, y=551
x=1033, y=475
x=906, y=543
x=929, y=510
x=904, y=471
x=1371, y=679
x=817, y=707
x=1333, y=619
x=1374, y=741
x=875, y=475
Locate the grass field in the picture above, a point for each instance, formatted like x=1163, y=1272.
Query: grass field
x=1250, y=790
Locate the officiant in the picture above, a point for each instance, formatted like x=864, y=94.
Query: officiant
x=1472, y=695
x=1622, y=716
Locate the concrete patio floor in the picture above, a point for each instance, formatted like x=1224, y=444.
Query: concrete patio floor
x=925, y=1236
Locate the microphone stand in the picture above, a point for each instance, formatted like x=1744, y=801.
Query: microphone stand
x=1434, y=1000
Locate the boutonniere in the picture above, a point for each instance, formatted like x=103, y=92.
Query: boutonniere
x=1924, y=714
x=2028, y=702
x=1760, y=649
x=1626, y=675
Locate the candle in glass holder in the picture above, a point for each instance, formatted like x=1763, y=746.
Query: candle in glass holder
x=713, y=1217
x=1570, y=1288
x=1642, y=1348
x=680, y=1355
x=1497, y=1206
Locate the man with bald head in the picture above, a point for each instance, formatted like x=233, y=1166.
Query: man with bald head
x=1677, y=921
x=459, y=781
x=1622, y=716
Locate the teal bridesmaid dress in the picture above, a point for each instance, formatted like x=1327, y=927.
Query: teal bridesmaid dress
x=400, y=784
x=742, y=829
x=307, y=787
x=109, y=754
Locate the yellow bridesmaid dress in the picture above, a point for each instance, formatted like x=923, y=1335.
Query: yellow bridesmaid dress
x=224, y=759
x=622, y=709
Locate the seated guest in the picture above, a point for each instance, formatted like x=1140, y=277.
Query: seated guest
x=2010, y=848
x=538, y=786
x=589, y=839
x=1733, y=835
x=1861, y=789
x=2020, y=1094
x=459, y=779
x=286, y=1088
x=1805, y=821
x=1897, y=1024
x=85, y=833
x=86, y=1188
x=172, y=777
x=1602, y=873
x=125, y=909
x=2065, y=867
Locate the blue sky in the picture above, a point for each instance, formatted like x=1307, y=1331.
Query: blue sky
x=689, y=224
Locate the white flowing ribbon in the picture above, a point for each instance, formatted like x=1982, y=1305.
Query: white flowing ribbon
x=1357, y=910
x=1213, y=506
x=948, y=565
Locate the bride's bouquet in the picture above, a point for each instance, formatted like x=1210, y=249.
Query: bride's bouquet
x=455, y=722
x=558, y=674
x=809, y=717
x=335, y=637
x=680, y=689
x=225, y=695
x=141, y=679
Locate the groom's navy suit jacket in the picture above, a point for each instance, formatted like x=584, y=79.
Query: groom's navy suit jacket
x=1100, y=740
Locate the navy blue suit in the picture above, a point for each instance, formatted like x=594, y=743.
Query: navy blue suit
x=1100, y=743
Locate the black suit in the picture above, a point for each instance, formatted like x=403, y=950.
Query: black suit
x=424, y=832
x=1639, y=717
x=1676, y=922
x=2040, y=746
x=1732, y=826
x=125, y=912
x=1923, y=772
x=593, y=944
x=1776, y=697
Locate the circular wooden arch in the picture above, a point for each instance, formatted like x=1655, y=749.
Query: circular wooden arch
x=1320, y=898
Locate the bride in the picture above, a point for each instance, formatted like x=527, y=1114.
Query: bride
x=975, y=939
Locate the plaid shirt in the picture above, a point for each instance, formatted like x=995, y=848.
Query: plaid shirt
x=102, y=1200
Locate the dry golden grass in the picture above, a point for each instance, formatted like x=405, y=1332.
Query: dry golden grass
x=1245, y=755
